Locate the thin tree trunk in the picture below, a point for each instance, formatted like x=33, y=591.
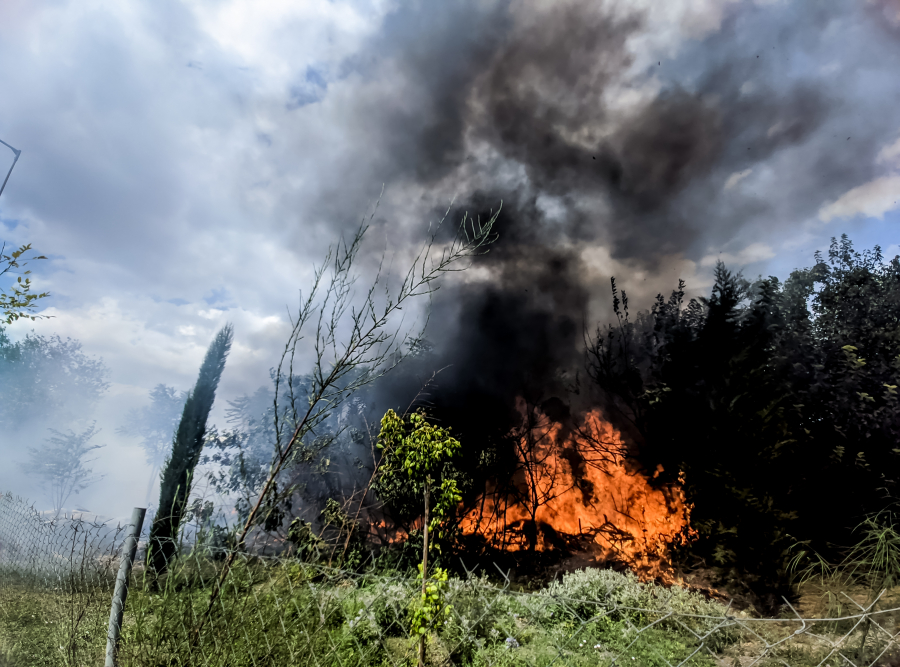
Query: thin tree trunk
x=424, y=569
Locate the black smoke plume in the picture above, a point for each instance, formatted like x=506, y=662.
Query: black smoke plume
x=521, y=103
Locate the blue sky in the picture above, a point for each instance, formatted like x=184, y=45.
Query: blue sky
x=184, y=163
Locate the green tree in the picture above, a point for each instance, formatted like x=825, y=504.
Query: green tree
x=416, y=454
x=21, y=300
x=243, y=459
x=187, y=445
x=689, y=379
x=777, y=401
x=60, y=464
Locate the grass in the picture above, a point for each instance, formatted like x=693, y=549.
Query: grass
x=277, y=612
x=49, y=625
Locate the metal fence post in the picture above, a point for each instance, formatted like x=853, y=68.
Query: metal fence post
x=121, y=591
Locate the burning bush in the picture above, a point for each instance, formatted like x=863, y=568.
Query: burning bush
x=573, y=488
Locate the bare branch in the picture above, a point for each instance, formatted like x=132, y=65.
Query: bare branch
x=353, y=346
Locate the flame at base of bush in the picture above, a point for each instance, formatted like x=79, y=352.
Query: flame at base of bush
x=572, y=489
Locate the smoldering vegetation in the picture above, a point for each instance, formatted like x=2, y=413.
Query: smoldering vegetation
x=594, y=152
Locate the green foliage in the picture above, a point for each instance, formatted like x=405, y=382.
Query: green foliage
x=21, y=300
x=406, y=556
x=785, y=397
x=187, y=445
x=430, y=610
x=417, y=450
x=876, y=557
x=589, y=592
x=377, y=339
x=347, y=548
x=872, y=562
x=307, y=545
x=415, y=456
x=57, y=620
x=242, y=455
x=280, y=611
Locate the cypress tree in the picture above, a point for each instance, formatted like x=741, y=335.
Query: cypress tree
x=187, y=444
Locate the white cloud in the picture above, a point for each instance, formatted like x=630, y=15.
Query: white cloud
x=668, y=25
x=736, y=178
x=755, y=252
x=277, y=41
x=872, y=199
x=775, y=129
x=890, y=155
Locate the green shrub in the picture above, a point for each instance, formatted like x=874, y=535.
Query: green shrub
x=608, y=597
x=389, y=606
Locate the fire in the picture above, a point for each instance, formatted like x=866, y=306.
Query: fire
x=572, y=487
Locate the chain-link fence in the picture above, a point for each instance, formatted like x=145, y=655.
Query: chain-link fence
x=56, y=580
x=279, y=610
x=44, y=548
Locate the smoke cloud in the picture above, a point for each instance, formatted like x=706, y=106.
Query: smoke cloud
x=593, y=151
x=184, y=148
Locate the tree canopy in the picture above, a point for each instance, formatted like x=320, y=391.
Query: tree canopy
x=777, y=400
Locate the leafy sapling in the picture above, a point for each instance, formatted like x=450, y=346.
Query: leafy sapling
x=416, y=452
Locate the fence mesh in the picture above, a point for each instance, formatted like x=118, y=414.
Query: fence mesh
x=56, y=579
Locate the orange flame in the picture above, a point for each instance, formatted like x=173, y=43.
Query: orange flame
x=571, y=487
